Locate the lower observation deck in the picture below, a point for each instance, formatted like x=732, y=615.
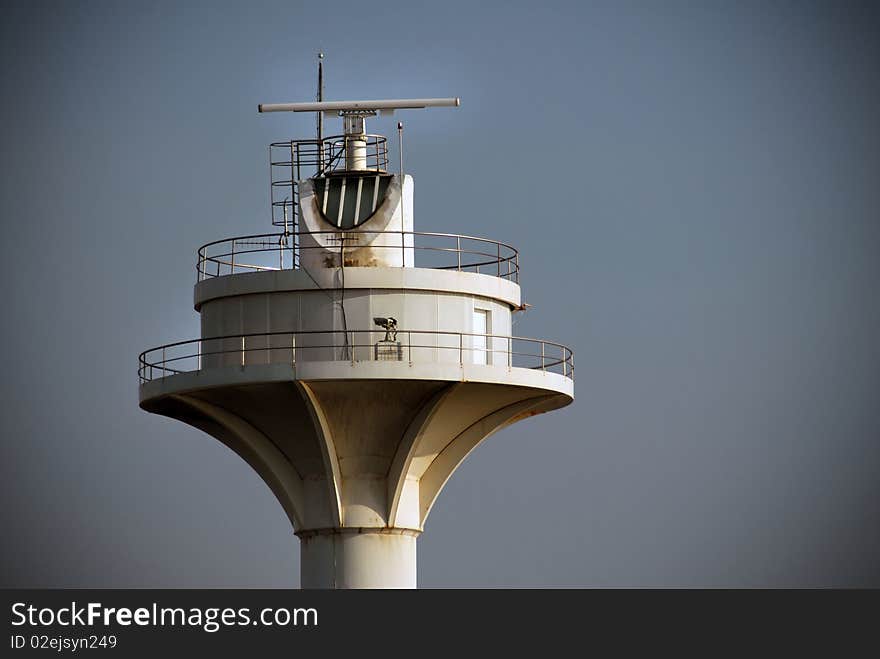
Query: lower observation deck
x=355, y=355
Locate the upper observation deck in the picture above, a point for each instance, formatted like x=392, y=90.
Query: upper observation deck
x=284, y=251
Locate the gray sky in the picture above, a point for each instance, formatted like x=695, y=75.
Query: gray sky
x=693, y=188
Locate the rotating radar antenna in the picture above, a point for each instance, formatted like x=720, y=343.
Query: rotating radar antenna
x=354, y=114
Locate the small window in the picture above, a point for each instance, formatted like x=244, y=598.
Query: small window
x=480, y=342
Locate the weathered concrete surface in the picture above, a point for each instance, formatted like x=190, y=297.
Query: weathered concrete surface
x=357, y=464
x=358, y=558
x=378, y=242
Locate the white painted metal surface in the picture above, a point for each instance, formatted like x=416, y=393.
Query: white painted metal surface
x=336, y=106
x=383, y=240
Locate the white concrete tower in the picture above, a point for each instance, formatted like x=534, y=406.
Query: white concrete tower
x=350, y=360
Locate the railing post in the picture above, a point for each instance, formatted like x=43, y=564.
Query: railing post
x=232, y=265
x=199, y=360
x=293, y=349
x=562, y=351
x=242, y=351
x=498, y=257
x=458, y=250
x=163, y=361
x=542, y=355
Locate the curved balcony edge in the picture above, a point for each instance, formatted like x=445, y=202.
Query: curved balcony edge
x=257, y=374
x=367, y=354
x=404, y=279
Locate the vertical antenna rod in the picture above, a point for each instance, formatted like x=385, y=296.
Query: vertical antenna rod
x=320, y=114
x=400, y=146
x=402, y=181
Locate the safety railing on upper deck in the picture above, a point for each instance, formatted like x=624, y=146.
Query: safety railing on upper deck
x=412, y=346
x=282, y=251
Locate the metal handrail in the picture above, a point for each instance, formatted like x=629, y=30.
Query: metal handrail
x=280, y=251
x=325, y=155
x=290, y=347
x=292, y=161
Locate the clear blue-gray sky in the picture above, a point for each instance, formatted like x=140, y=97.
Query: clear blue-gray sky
x=694, y=189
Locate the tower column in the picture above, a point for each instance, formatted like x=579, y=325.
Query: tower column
x=358, y=558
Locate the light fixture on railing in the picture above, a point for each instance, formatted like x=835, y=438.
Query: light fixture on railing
x=389, y=348
x=389, y=325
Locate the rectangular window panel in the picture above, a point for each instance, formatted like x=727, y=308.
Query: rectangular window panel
x=480, y=343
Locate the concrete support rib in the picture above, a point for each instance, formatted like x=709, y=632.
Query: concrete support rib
x=328, y=452
x=257, y=450
x=397, y=477
x=453, y=454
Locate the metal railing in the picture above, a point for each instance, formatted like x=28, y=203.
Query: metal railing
x=412, y=346
x=281, y=251
x=295, y=160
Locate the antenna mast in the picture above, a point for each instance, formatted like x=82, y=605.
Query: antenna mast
x=320, y=96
